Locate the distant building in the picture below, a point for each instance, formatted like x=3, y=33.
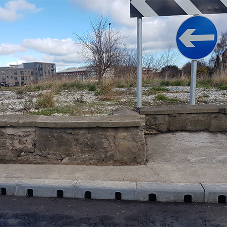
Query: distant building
x=150, y=72
x=81, y=73
x=26, y=73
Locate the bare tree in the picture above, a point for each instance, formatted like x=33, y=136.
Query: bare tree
x=216, y=56
x=104, y=47
x=127, y=67
x=158, y=60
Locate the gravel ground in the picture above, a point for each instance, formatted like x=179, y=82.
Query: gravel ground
x=87, y=103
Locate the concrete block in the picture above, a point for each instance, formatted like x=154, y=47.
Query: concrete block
x=106, y=189
x=158, y=123
x=214, y=192
x=218, y=123
x=9, y=185
x=46, y=188
x=189, y=122
x=169, y=192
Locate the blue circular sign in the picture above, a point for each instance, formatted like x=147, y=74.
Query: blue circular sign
x=196, y=37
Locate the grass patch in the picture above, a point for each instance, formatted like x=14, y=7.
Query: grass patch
x=206, y=83
x=72, y=86
x=165, y=83
x=156, y=90
x=161, y=97
x=222, y=87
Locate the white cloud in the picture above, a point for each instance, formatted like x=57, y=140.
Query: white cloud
x=118, y=10
x=158, y=32
x=7, y=48
x=52, y=46
x=12, y=8
x=63, y=52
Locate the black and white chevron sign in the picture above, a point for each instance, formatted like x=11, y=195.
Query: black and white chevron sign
x=149, y=8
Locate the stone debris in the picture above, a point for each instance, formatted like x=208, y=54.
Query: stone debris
x=13, y=103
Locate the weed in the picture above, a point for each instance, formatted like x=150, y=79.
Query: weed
x=91, y=87
x=106, y=89
x=21, y=92
x=45, y=100
x=205, y=95
x=161, y=97
x=120, y=86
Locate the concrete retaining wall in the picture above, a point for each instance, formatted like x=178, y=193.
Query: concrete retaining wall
x=211, y=118
x=113, y=140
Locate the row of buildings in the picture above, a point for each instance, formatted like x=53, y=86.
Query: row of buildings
x=33, y=72
x=26, y=73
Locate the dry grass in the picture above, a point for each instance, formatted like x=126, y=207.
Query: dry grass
x=45, y=100
x=220, y=78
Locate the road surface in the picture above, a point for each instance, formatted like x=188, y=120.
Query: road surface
x=21, y=211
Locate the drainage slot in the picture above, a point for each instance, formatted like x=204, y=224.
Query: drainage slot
x=117, y=195
x=221, y=199
x=29, y=192
x=188, y=199
x=3, y=191
x=152, y=197
x=60, y=193
x=87, y=195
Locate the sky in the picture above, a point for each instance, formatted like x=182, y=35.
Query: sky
x=44, y=30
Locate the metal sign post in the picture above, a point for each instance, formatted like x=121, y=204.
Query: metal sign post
x=195, y=39
x=193, y=81
x=139, y=62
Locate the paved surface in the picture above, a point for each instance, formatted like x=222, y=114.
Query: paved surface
x=21, y=211
x=172, y=158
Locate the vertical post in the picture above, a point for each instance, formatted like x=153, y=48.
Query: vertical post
x=139, y=62
x=193, y=81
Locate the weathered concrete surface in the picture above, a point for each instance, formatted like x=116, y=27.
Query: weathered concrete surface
x=114, y=121
x=187, y=147
x=186, y=109
x=109, y=140
x=185, y=118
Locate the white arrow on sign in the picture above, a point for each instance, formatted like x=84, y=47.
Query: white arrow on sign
x=187, y=38
x=143, y=8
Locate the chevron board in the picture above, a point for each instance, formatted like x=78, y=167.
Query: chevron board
x=149, y=8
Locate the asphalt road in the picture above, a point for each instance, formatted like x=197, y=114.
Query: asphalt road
x=21, y=211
